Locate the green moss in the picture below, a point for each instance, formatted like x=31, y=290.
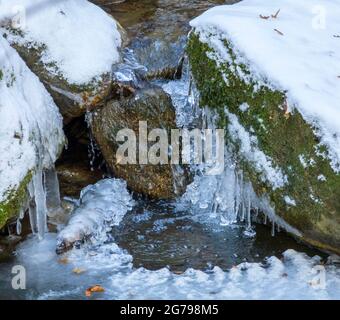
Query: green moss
x=14, y=202
x=282, y=137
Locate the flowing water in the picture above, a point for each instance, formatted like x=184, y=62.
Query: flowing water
x=205, y=245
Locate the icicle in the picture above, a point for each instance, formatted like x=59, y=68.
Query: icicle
x=38, y=209
x=249, y=212
x=31, y=208
x=53, y=201
x=273, y=228
x=18, y=227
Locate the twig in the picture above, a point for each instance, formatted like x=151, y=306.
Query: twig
x=276, y=14
x=264, y=17
x=279, y=32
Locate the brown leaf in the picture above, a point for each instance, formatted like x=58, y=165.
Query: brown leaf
x=264, y=17
x=78, y=270
x=276, y=14
x=279, y=32
x=63, y=260
x=96, y=288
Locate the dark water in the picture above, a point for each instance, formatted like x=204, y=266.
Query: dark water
x=158, y=236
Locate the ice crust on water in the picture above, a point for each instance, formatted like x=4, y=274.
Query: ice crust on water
x=303, y=62
x=296, y=276
x=101, y=206
x=80, y=38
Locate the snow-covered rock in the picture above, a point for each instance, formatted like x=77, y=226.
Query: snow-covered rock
x=281, y=59
x=71, y=45
x=31, y=134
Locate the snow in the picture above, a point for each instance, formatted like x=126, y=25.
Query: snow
x=80, y=38
x=289, y=201
x=303, y=62
x=31, y=134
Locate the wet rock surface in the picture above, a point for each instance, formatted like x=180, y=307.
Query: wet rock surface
x=151, y=105
x=73, y=177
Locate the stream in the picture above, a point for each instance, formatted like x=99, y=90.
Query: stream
x=180, y=249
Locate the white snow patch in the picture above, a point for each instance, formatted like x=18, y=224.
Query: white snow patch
x=244, y=107
x=321, y=177
x=31, y=133
x=306, y=162
x=80, y=38
x=289, y=201
x=303, y=62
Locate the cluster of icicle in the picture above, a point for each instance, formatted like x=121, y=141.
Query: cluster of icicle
x=43, y=201
x=228, y=197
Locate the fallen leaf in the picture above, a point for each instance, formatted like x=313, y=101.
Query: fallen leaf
x=63, y=260
x=96, y=288
x=264, y=17
x=276, y=14
x=78, y=270
x=279, y=32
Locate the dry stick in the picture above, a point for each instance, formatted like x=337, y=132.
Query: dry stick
x=276, y=14
x=279, y=32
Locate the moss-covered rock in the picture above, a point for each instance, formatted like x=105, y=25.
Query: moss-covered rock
x=308, y=198
x=14, y=201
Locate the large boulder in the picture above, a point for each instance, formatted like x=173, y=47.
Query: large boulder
x=161, y=181
x=72, y=54
x=31, y=134
x=274, y=88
